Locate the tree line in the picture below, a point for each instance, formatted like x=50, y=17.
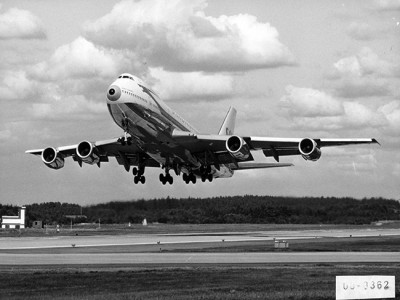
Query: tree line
x=236, y=209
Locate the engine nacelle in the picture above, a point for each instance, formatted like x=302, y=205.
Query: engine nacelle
x=309, y=149
x=87, y=153
x=237, y=147
x=52, y=158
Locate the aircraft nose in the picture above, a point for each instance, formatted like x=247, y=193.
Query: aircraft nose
x=113, y=93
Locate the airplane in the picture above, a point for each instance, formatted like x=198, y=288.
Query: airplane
x=156, y=136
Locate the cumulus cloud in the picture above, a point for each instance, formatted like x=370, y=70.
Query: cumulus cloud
x=179, y=36
x=363, y=75
x=388, y=5
x=191, y=85
x=392, y=114
x=16, y=85
x=317, y=110
x=20, y=24
x=309, y=102
x=361, y=31
x=359, y=115
x=366, y=62
x=79, y=59
x=57, y=106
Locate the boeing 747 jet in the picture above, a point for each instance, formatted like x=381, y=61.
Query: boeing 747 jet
x=155, y=136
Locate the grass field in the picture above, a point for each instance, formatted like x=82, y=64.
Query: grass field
x=199, y=282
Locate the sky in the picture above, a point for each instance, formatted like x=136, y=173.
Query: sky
x=313, y=68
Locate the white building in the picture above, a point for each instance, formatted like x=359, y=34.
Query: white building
x=16, y=222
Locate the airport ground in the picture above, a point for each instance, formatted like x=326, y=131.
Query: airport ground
x=193, y=261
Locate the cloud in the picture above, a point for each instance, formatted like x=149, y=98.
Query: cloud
x=317, y=110
x=79, y=59
x=363, y=75
x=387, y=5
x=15, y=85
x=191, y=85
x=179, y=36
x=361, y=31
x=392, y=113
x=366, y=62
x=20, y=24
x=67, y=107
x=359, y=115
x=309, y=102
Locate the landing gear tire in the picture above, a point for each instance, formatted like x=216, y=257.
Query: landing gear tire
x=186, y=178
x=134, y=171
x=141, y=171
x=192, y=178
x=140, y=179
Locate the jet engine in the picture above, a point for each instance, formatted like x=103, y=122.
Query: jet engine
x=309, y=149
x=237, y=147
x=87, y=153
x=52, y=158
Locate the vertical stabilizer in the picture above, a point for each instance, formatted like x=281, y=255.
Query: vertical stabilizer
x=228, y=126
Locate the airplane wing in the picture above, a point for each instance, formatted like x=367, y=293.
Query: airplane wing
x=96, y=153
x=226, y=146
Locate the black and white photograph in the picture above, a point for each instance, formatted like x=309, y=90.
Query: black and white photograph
x=200, y=149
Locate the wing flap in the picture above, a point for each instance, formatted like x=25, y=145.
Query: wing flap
x=254, y=165
x=343, y=142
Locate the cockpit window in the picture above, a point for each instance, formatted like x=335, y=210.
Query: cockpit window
x=126, y=76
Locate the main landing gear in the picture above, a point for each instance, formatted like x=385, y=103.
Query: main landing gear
x=189, y=178
x=138, y=173
x=206, y=173
x=166, y=178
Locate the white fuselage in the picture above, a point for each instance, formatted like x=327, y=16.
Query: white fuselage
x=140, y=112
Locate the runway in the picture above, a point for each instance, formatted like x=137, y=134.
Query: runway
x=175, y=249
x=182, y=238
x=197, y=258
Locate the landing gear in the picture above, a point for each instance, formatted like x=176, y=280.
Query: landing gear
x=205, y=177
x=138, y=173
x=206, y=173
x=189, y=178
x=166, y=178
x=125, y=140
